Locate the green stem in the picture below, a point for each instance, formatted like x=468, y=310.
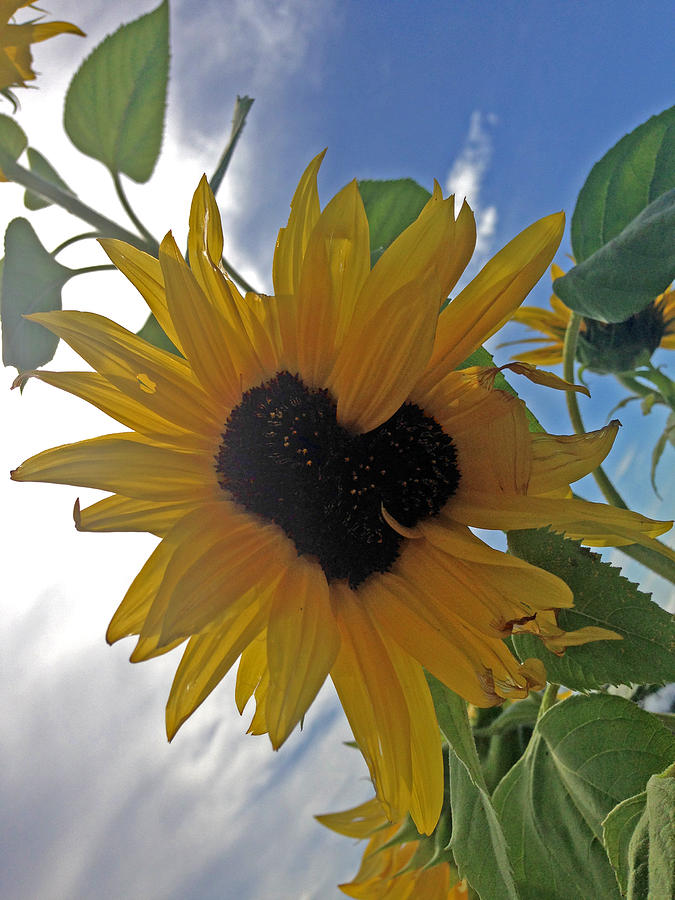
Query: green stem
x=241, y=108
x=569, y=351
x=85, y=270
x=634, y=385
x=663, y=383
x=73, y=240
x=549, y=698
x=130, y=212
x=14, y=172
x=658, y=557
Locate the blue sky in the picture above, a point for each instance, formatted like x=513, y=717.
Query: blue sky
x=508, y=102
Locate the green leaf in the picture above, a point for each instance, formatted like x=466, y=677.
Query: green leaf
x=31, y=282
x=603, y=598
x=474, y=822
x=645, y=849
x=637, y=170
x=617, y=831
x=515, y=715
x=586, y=755
x=627, y=274
x=44, y=169
x=13, y=140
x=390, y=207
x=116, y=101
x=660, y=816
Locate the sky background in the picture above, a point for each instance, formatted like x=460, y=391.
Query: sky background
x=509, y=103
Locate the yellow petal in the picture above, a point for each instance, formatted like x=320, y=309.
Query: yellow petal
x=427, y=757
x=252, y=666
x=357, y=822
x=383, y=356
x=215, y=564
x=434, y=243
x=336, y=263
x=207, y=659
x=145, y=273
x=560, y=460
x=45, y=30
x=477, y=667
x=293, y=239
x=121, y=514
x=134, y=608
x=126, y=464
x=205, y=235
x=494, y=453
x=593, y=523
x=204, y=332
x=548, y=379
x=152, y=377
x=302, y=643
x=373, y=700
x=489, y=300
x=98, y=391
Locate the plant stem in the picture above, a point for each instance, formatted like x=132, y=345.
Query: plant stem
x=75, y=239
x=549, y=698
x=129, y=211
x=241, y=108
x=658, y=557
x=634, y=385
x=14, y=172
x=85, y=270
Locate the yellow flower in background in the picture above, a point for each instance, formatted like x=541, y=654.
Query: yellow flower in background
x=312, y=464
x=15, y=40
x=387, y=868
x=601, y=347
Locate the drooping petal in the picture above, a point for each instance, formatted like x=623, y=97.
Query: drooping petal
x=479, y=668
x=560, y=460
x=302, y=643
x=358, y=822
x=336, y=263
x=489, y=300
x=126, y=464
x=374, y=702
x=293, y=239
x=153, y=377
x=593, y=523
x=122, y=514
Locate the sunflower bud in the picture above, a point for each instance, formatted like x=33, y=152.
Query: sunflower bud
x=622, y=346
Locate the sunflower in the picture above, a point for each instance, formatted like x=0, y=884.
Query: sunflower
x=15, y=40
x=394, y=863
x=312, y=464
x=601, y=347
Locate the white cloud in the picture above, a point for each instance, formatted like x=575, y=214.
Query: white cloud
x=465, y=180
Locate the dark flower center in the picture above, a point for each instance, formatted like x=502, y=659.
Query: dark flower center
x=285, y=457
